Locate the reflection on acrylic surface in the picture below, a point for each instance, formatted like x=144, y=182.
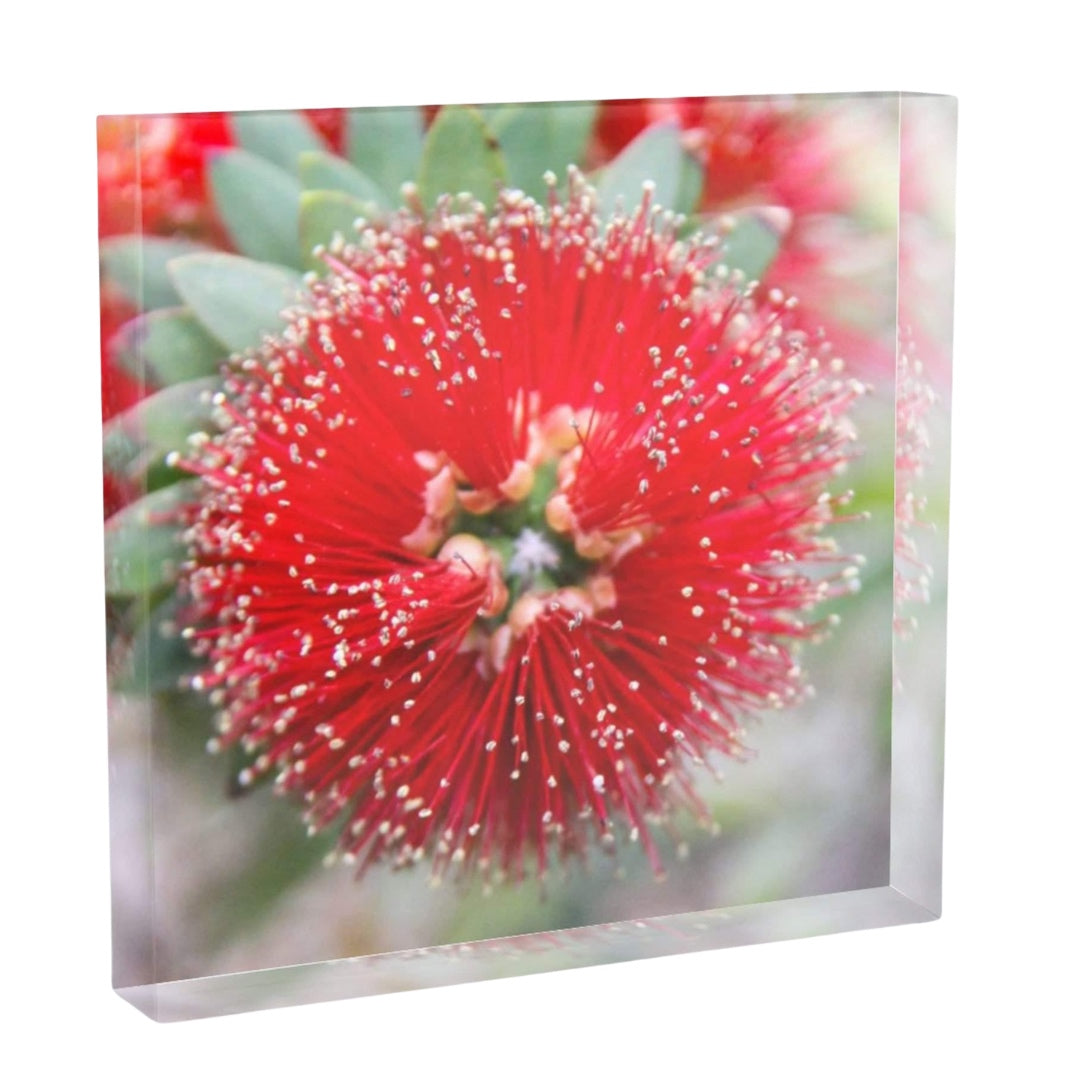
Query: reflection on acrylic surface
x=567, y=553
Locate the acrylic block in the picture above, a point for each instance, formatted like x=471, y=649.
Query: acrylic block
x=525, y=533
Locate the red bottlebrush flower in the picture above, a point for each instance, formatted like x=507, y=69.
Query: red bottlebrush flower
x=330, y=123
x=152, y=171
x=152, y=177
x=911, y=573
x=517, y=524
x=753, y=152
x=776, y=153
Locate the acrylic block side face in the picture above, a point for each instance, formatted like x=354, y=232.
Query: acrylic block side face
x=530, y=501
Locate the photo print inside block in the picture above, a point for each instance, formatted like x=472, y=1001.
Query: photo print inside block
x=525, y=532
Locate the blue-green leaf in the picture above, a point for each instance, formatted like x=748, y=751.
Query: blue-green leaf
x=656, y=155
x=159, y=659
x=385, y=145
x=325, y=215
x=460, y=154
x=752, y=238
x=259, y=204
x=278, y=137
x=238, y=300
x=135, y=266
x=144, y=434
x=143, y=542
x=535, y=138
x=325, y=172
x=166, y=346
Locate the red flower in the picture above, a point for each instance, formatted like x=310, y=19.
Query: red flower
x=151, y=180
x=330, y=124
x=151, y=174
x=776, y=153
x=152, y=171
x=754, y=152
x=517, y=524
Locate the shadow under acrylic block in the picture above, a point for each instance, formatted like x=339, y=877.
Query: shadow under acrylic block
x=546, y=503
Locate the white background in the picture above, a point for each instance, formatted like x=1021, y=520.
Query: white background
x=984, y=990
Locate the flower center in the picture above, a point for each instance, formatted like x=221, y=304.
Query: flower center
x=522, y=538
x=531, y=557
x=533, y=553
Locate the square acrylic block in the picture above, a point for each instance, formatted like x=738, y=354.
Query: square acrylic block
x=525, y=535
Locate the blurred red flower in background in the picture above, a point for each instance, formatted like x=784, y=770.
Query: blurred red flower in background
x=151, y=180
x=754, y=152
x=151, y=173
x=780, y=154
x=330, y=124
x=517, y=524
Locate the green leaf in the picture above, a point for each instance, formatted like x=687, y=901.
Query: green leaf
x=143, y=543
x=752, y=238
x=460, y=154
x=537, y=137
x=277, y=137
x=162, y=422
x=324, y=215
x=325, y=172
x=160, y=475
x=136, y=267
x=259, y=204
x=166, y=346
x=385, y=145
x=656, y=155
x=159, y=658
x=238, y=300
